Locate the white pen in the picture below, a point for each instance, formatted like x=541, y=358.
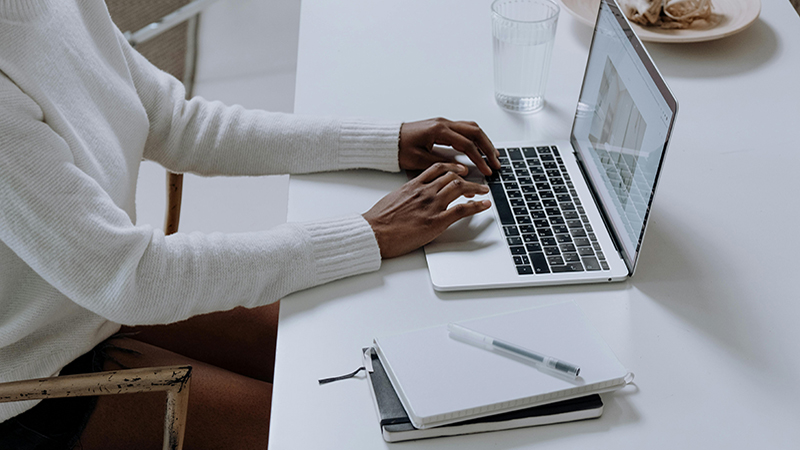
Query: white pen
x=481, y=340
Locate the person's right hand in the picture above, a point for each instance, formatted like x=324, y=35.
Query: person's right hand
x=418, y=212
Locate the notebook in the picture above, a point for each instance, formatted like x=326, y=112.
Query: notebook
x=397, y=427
x=441, y=381
x=572, y=211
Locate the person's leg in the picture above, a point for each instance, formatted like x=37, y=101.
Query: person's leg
x=226, y=410
x=240, y=340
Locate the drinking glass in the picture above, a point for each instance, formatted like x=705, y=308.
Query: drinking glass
x=523, y=32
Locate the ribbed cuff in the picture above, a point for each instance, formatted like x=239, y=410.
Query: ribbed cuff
x=369, y=145
x=343, y=247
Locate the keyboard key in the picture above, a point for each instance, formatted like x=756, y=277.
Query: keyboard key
x=527, y=229
x=568, y=247
x=521, y=172
x=517, y=202
x=557, y=220
x=501, y=151
x=541, y=223
x=514, y=240
x=527, y=187
x=534, y=247
x=539, y=262
x=560, y=189
x=533, y=204
x=548, y=241
x=529, y=152
x=555, y=260
x=533, y=162
x=511, y=186
x=564, y=197
x=543, y=149
x=601, y=255
x=514, y=194
x=553, y=211
x=552, y=251
x=542, y=186
x=585, y=251
x=582, y=242
x=555, y=150
x=529, y=238
x=517, y=250
x=520, y=211
x=571, y=257
x=573, y=267
x=553, y=173
x=549, y=165
x=546, y=194
x=523, y=219
x=511, y=230
x=560, y=229
x=604, y=265
x=578, y=232
x=574, y=223
x=591, y=263
x=562, y=238
x=518, y=165
x=549, y=203
x=567, y=206
x=596, y=245
x=514, y=153
x=544, y=232
x=570, y=215
x=520, y=260
x=501, y=204
x=525, y=270
x=547, y=157
x=539, y=214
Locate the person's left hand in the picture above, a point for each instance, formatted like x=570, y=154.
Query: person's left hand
x=418, y=138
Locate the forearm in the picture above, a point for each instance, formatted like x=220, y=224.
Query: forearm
x=210, y=138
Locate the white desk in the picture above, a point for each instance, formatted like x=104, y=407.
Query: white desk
x=709, y=322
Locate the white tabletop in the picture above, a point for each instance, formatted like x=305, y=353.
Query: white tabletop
x=709, y=322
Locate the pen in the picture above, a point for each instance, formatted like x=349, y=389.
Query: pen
x=489, y=343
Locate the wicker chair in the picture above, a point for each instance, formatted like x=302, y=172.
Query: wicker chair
x=167, y=32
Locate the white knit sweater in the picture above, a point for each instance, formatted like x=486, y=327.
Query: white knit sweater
x=79, y=110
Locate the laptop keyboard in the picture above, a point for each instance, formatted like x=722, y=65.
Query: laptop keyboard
x=545, y=225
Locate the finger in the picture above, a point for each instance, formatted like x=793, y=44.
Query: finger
x=465, y=146
x=459, y=187
x=462, y=210
x=444, y=180
x=438, y=169
x=476, y=134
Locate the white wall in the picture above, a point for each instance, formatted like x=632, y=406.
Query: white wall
x=247, y=55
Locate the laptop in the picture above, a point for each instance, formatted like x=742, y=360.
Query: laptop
x=572, y=211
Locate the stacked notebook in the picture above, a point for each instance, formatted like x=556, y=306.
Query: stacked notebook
x=427, y=384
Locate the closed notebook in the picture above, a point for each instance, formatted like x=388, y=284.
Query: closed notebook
x=396, y=427
x=441, y=381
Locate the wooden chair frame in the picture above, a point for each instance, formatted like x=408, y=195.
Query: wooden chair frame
x=174, y=380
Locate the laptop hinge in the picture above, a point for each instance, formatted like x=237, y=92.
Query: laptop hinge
x=606, y=221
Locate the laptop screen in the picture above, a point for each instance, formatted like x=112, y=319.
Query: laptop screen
x=622, y=125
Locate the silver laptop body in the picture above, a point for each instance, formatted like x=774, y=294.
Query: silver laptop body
x=572, y=211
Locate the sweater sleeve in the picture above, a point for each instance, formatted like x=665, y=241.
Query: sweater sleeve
x=210, y=138
x=60, y=222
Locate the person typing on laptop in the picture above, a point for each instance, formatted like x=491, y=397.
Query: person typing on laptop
x=80, y=109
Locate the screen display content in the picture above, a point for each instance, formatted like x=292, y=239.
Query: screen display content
x=621, y=126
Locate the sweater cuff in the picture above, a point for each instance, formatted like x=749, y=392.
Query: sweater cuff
x=369, y=145
x=343, y=247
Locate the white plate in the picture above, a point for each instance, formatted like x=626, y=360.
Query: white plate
x=734, y=16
